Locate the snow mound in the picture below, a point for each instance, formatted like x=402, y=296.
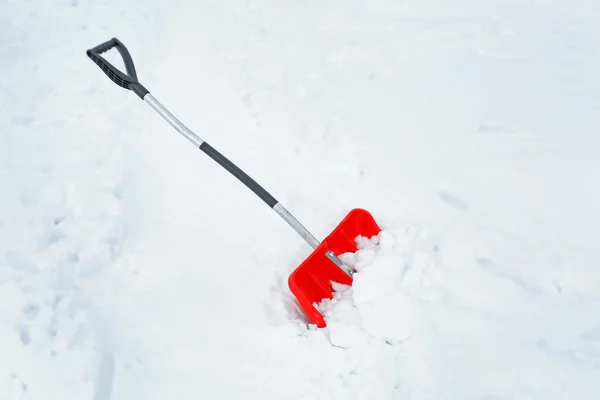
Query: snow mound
x=371, y=307
x=373, y=319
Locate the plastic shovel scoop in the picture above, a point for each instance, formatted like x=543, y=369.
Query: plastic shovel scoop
x=311, y=281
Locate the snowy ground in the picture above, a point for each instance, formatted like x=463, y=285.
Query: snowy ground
x=134, y=267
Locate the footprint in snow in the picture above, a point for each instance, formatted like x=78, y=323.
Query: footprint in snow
x=30, y=313
x=504, y=273
x=453, y=201
x=12, y=387
x=24, y=334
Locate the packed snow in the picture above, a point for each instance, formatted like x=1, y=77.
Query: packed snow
x=134, y=267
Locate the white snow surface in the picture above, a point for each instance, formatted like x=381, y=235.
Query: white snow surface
x=134, y=267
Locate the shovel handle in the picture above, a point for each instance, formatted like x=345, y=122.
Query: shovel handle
x=127, y=80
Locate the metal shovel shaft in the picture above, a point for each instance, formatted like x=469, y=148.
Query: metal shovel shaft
x=228, y=165
x=243, y=177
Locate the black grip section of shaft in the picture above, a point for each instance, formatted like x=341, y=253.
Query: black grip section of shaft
x=238, y=173
x=126, y=80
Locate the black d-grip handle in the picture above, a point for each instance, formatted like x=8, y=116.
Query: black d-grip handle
x=127, y=80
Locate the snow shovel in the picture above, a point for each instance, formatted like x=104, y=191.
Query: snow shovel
x=311, y=281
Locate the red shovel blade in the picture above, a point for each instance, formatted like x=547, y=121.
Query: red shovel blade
x=311, y=281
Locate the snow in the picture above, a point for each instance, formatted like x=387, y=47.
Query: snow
x=134, y=267
x=372, y=306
